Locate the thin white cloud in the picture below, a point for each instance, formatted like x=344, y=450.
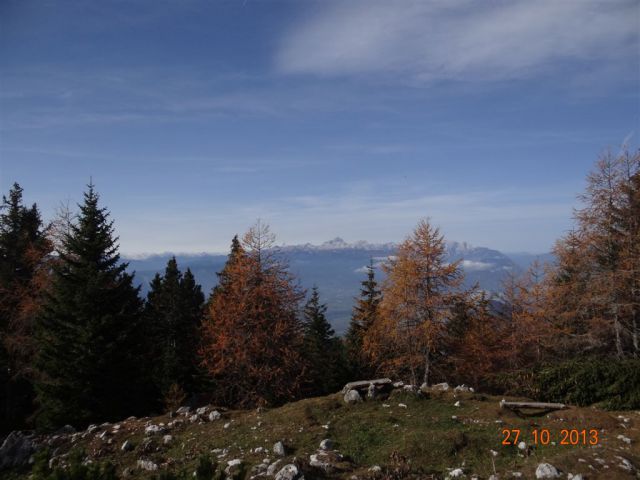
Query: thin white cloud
x=472, y=266
x=460, y=39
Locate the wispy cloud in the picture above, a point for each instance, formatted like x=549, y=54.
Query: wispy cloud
x=460, y=40
x=45, y=96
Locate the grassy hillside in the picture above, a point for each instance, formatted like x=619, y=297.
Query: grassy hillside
x=428, y=436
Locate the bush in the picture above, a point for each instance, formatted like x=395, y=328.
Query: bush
x=75, y=469
x=615, y=384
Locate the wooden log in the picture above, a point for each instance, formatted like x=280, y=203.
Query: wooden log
x=364, y=384
x=537, y=405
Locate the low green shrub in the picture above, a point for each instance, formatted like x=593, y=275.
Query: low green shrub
x=610, y=383
x=75, y=469
x=615, y=384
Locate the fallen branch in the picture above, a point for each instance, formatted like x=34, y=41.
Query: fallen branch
x=546, y=406
x=543, y=407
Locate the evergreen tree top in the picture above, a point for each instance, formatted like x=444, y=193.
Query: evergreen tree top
x=315, y=320
x=91, y=240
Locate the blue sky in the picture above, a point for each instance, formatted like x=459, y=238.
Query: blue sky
x=321, y=118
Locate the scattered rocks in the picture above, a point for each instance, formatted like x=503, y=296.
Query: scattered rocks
x=259, y=469
x=625, y=439
x=127, y=446
x=16, y=450
x=92, y=428
x=546, y=470
x=625, y=464
x=326, y=444
x=440, y=386
x=202, y=410
x=457, y=404
x=167, y=439
x=327, y=459
x=352, y=396
x=147, y=465
x=153, y=429
x=233, y=466
x=214, y=415
x=320, y=461
x=455, y=473
x=279, y=449
x=289, y=472
x=183, y=410
x=273, y=468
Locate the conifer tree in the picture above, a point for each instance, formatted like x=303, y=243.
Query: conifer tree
x=173, y=312
x=418, y=296
x=365, y=313
x=323, y=351
x=594, y=289
x=475, y=343
x=24, y=250
x=251, y=332
x=89, y=331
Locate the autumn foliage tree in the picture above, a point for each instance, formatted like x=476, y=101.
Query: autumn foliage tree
x=416, y=306
x=594, y=289
x=475, y=341
x=252, y=334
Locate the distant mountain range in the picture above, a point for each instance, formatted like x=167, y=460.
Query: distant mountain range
x=338, y=267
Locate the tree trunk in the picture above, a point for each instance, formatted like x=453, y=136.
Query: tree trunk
x=634, y=335
x=617, y=327
x=427, y=364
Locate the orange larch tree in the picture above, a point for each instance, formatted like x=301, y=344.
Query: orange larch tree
x=251, y=335
x=598, y=262
x=416, y=304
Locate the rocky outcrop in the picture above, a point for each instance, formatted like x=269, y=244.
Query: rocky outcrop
x=279, y=449
x=352, y=396
x=289, y=472
x=16, y=450
x=546, y=470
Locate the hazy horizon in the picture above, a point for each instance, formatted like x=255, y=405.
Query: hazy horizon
x=144, y=255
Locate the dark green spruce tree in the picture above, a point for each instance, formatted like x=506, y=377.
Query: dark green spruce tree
x=24, y=250
x=90, y=332
x=365, y=312
x=173, y=313
x=323, y=351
